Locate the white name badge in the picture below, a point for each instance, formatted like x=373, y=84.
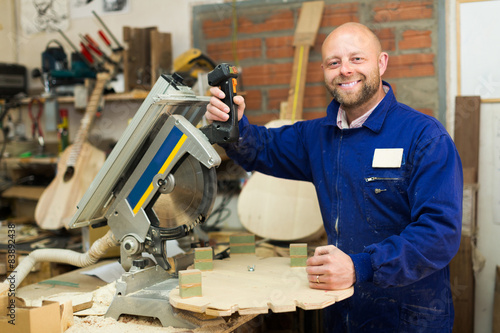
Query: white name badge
x=387, y=158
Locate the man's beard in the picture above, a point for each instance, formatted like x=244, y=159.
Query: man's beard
x=350, y=100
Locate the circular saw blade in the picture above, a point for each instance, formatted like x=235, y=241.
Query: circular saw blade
x=195, y=188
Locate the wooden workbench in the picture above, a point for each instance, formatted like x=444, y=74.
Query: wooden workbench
x=75, y=282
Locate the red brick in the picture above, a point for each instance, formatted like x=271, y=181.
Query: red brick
x=315, y=97
x=318, y=43
x=337, y=14
x=428, y=112
x=314, y=72
x=410, y=65
x=388, y=11
x=314, y=115
x=246, y=48
x=253, y=99
x=268, y=74
x=216, y=29
x=275, y=97
x=415, y=39
x=280, y=47
x=282, y=20
x=386, y=37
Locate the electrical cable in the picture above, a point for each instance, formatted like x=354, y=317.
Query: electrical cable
x=221, y=213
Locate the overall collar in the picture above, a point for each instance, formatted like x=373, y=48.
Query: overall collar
x=375, y=120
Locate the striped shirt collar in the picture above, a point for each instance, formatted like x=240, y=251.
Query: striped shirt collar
x=358, y=122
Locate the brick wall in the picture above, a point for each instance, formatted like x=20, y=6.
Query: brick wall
x=263, y=37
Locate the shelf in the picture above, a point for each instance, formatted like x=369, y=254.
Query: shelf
x=128, y=96
x=31, y=160
x=24, y=192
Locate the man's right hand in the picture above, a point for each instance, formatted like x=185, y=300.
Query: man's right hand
x=218, y=111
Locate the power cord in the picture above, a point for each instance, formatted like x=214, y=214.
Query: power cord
x=221, y=213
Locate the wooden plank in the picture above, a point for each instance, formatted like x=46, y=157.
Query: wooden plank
x=295, y=103
x=137, y=58
x=467, y=112
x=462, y=280
x=496, y=303
x=273, y=285
x=161, y=54
x=308, y=24
x=304, y=37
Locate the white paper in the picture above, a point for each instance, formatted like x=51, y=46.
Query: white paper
x=387, y=158
x=108, y=273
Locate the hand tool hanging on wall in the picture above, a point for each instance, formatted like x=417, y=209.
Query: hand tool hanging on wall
x=119, y=47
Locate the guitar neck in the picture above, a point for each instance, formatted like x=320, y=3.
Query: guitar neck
x=86, y=122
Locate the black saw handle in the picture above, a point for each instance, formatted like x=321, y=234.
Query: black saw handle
x=224, y=76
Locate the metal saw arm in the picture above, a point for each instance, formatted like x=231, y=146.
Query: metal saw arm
x=160, y=153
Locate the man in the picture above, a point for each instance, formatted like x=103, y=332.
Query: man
x=389, y=184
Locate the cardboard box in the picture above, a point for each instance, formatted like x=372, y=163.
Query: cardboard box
x=51, y=317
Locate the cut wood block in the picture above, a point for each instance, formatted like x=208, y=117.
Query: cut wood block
x=190, y=283
x=66, y=310
x=79, y=301
x=298, y=255
x=242, y=244
x=203, y=258
x=274, y=285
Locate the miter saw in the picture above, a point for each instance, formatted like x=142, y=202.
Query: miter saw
x=161, y=152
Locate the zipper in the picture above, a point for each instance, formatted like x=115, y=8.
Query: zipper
x=337, y=189
x=373, y=179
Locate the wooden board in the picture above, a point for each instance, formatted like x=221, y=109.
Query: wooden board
x=462, y=278
x=496, y=303
x=137, y=58
x=273, y=285
x=161, y=54
x=280, y=209
x=308, y=24
x=467, y=111
x=304, y=37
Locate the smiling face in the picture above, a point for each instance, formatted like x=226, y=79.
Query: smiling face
x=352, y=65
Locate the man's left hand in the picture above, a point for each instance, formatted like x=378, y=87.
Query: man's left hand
x=330, y=269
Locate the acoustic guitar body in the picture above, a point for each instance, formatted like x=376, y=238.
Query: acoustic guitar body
x=280, y=209
x=57, y=205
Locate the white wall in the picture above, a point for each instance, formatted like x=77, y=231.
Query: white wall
x=488, y=195
x=7, y=31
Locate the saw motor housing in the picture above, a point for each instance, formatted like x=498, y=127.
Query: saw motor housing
x=161, y=139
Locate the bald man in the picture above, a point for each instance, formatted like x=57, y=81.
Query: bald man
x=389, y=184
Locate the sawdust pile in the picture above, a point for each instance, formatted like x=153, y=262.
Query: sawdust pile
x=126, y=324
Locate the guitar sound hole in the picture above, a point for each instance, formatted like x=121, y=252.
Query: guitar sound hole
x=70, y=171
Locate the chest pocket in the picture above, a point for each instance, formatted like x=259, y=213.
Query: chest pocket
x=386, y=199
